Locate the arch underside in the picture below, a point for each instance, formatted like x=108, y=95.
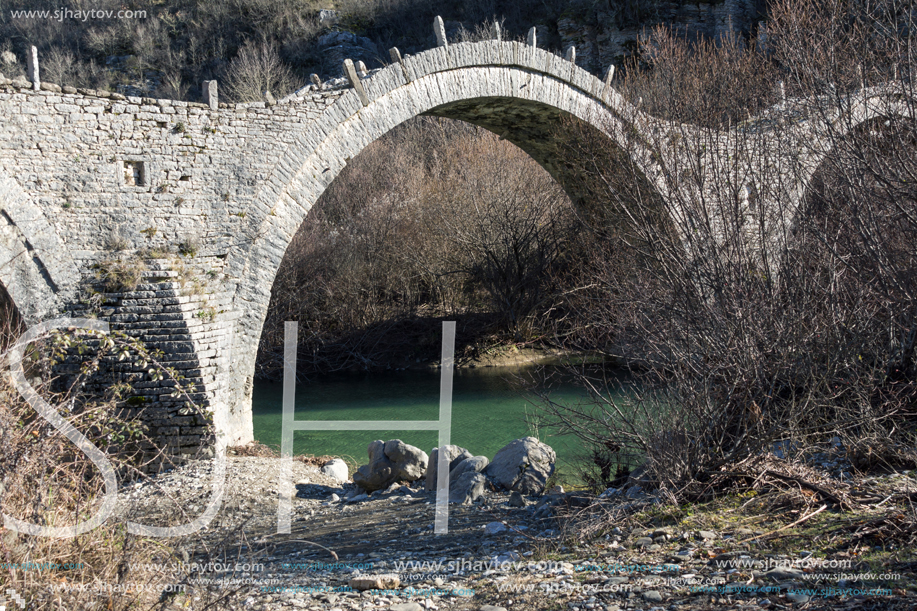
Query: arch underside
x=532, y=126
x=26, y=283
x=860, y=139
x=823, y=143
x=821, y=135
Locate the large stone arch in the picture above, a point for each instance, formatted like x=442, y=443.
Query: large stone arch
x=517, y=91
x=35, y=267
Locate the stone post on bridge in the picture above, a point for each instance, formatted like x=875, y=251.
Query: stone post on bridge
x=439, y=29
x=351, y=73
x=32, y=68
x=211, y=97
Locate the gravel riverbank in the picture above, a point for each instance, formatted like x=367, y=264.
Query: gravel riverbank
x=380, y=552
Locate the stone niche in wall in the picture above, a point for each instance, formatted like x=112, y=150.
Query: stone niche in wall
x=134, y=173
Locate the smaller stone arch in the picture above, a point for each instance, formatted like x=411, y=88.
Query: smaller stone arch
x=817, y=137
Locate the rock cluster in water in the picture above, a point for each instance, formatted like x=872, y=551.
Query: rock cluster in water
x=389, y=462
x=522, y=466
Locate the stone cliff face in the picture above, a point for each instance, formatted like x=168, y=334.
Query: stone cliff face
x=604, y=37
x=604, y=32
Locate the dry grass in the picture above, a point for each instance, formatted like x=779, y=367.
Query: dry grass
x=120, y=274
x=47, y=482
x=786, y=502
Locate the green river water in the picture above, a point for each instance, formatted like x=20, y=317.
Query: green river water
x=490, y=408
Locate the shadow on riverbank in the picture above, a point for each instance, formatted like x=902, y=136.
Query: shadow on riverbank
x=411, y=344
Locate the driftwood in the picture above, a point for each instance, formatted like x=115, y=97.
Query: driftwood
x=782, y=528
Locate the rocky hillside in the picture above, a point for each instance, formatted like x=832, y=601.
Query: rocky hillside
x=168, y=48
x=602, y=32
x=609, y=34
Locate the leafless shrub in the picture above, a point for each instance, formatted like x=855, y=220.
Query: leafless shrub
x=257, y=69
x=58, y=67
x=438, y=218
x=47, y=482
x=708, y=83
x=506, y=223
x=9, y=63
x=834, y=47
x=745, y=335
x=105, y=39
x=173, y=85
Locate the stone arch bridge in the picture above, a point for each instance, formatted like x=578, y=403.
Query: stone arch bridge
x=89, y=178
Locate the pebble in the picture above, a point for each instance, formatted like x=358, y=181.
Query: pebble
x=375, y=582
x=798, y=598
x=779, y=573
x=494, y=528
x=516, y=500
